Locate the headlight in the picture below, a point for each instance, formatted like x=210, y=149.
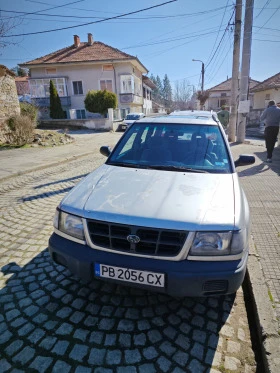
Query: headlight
x=71, y=224
x=211, y=243
x=240, y=241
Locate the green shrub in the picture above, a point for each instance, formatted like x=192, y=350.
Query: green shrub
x=29, y=110
x=100, y=101
x=20, y=130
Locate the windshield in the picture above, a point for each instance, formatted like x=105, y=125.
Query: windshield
x=132, y=117
x=174, y=147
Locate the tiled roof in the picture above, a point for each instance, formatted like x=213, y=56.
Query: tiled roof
x=96, y=52
x=226, y=85
x=270, y=83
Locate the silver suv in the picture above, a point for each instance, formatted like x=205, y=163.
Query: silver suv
x=166, y=212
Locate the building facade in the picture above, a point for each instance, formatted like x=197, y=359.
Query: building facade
x=86, y=66
x=220, y=95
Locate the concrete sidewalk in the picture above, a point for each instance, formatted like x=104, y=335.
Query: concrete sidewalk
x=19, y=161
x=261, y=183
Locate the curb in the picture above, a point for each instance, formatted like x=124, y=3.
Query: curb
x=20, y=173
x=263, y=314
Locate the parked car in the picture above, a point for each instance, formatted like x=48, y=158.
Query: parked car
x=166, y=212
x=198, y=114
x=25, y=98
x=131, y=118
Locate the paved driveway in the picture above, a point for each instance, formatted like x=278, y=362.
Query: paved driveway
x=50, y=321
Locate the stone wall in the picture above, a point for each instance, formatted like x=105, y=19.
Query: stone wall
x=9, y=104
x=94, y=124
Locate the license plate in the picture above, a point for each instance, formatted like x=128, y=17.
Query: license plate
x=130, y=275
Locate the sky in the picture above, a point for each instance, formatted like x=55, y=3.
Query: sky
x=165, y=39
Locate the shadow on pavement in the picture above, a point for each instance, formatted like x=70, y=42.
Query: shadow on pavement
x=60, y=181
x=51, y=319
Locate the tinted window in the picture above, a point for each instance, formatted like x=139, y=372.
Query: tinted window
x=199, y=147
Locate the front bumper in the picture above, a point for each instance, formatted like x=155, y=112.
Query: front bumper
x=183, y=278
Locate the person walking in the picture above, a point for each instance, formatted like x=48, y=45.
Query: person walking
x=271, y=117
x=223, y=116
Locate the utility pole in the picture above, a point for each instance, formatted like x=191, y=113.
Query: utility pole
x=202, y=77
x=244, y=103
x=202, y=74
x=235, y=71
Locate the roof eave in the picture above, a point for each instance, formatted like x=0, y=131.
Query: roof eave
x=118, y=60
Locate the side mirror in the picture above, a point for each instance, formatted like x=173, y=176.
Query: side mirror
x=244, y=160
x=105, y=150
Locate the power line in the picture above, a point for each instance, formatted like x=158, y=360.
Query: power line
x=218, y=31
x=178, y=38
x=220, y=40
x=90, y=23
x=269, y=18
x=262, y=9
x=87, y=17
x=37, y=12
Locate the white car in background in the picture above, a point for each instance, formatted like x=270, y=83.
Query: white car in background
x=131, y=118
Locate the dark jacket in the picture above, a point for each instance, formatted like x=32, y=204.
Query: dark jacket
x=271, y=116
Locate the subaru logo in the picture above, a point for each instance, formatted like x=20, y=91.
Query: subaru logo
x=132, y=238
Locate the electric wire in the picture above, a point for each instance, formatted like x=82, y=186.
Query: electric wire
x=90, y=23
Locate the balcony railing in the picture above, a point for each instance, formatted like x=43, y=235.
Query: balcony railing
x=45, y=101
x=130, y=98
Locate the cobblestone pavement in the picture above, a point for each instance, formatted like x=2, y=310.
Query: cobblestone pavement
x=50, y=321
x=261, y=184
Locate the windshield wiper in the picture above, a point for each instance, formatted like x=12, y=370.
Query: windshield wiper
x=177, y=168
x=124, y=164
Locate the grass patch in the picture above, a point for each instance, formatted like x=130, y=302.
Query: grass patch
x=270, y=296
x=10, y=146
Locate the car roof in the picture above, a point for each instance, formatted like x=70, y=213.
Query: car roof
x=135, y=113
x=180, y=119
x=193, y=112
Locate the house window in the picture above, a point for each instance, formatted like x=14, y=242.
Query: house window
x=50, y=71
x=223, y=95
x=78, y=87
x=127, y=84
x=106, y=84
x=41, y=87
x=80, y=113
x=267, y=96
x=107, y=67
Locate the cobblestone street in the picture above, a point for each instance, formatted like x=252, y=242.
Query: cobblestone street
x=50, y=321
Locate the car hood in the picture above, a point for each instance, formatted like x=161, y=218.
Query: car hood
x=155, y=198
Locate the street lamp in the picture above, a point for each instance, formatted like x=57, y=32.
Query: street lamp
x=202, y=74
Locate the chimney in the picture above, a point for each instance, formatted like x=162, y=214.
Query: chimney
x=76, y=41
x=90, y=39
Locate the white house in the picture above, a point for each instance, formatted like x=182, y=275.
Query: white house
x=85, y=66
x=267, y=90
x=220, y=95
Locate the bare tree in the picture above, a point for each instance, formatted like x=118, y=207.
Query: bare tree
x=182, y=94
x=6, y=26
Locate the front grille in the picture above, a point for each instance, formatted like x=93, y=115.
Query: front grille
x=157, y=242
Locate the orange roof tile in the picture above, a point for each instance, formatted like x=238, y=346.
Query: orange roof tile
x=270, y=83
x=96, y=52
x=226, y=85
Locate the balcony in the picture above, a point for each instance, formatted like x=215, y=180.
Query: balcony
x=45, y=101
x=130, y=98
